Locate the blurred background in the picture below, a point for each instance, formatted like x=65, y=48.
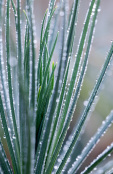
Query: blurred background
x=101, y=44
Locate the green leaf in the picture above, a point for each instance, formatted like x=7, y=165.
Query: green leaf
x=92, y=142
x=53, y=138
x=3, y=78
x=41, y=113
x=1, y=171
x=68, y=97
x=10, y=82
x=52, y=83
x=76, y=67
x=4, y=163
x=51, y=6
x=88, y=107
x=40, y=70
x=32, y=55
x=12, y=144
x=36, y=103
x=44, y=82
x=27, y=137
x=8, y=138
x=54, y=26
x=99, y=159
x=72, y=27
x=14, y=7
x=42, y=28
x=63, y=38
x=27, y=56
x=19, y=42
x=80, y=81
x=43, y=102
x=47, y=124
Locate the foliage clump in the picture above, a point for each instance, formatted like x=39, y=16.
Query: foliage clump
x=36, y=102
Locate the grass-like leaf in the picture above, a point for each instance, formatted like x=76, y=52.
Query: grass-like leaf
x=75, y=70
x=4, y=163
x=32, y=54
x=72, y=27
x=53, y=139
x=27, y=56
x=36, y=102
x=87, y=109
x=9, y=79
x=28, y=128
x=91, y=144
x=99, y=159
x=3, y=78
x=8, y=137
x=14, y=8
x=60, y=141
x=42, y=46
x=42, y=153
x=43, y=84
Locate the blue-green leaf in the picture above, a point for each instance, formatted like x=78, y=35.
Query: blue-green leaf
x=4, y=163
x=99, y=159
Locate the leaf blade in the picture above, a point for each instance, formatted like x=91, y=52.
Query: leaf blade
x=8, y=137
x=92, y=142
x=4, y=163
x=99, y=159
x=87, y=109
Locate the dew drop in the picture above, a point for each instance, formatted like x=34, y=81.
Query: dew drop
x=14, y=137
x=85, y=103
x=56, y=167
x=4, y=137
x=12, y=61
x=61, y=13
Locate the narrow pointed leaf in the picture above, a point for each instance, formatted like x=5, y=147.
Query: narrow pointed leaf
x=39, y=68
x=32, y=55
x=8, y=137
x=14, y=7
x=76, y=67
x=99, y=159
x=47, y=125
x=43, y=109
x=53, y=138
x=80, y=81
x=62, y=121
x=44, y=81
x=72, y=27
x=91, y=144
x=4, y=163
x=88, y=107
x=9, y=79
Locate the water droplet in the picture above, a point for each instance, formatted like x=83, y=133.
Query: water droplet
x=14, y=137
x=56, y=167
x=12, y=61
x=85, y=103
x=9, y=129
x=61, y=13
x=4, y=136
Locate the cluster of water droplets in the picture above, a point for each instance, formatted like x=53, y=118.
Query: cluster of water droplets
x=92, y=142
x=72, y=99
x=106, y=168
x=45, y=122
x=78, y=74
x=5, y=95
x=100, y=156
